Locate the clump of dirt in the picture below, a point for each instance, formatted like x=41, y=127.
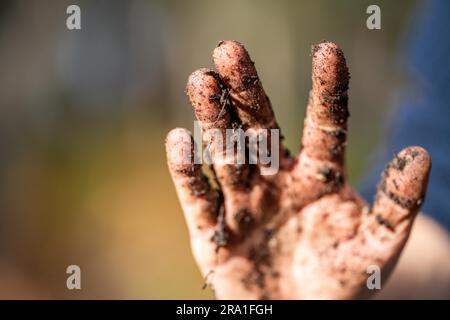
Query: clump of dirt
x=260, y=257
x=399, y=163
x=336, y=150
x=287, y=153
x=223, y=97
x=268, y=234
x=198, y=185
x=338, y=179
x=405, y=203
x=243, y=217
x=326, y=175
x=394, y=181
x=275, y=274
x=414, y=154
x=206, y=282
x=384, y=222
x=215, y=97
x=338, y=133
x=186, y=171
x=255, y=278
x=250, y=80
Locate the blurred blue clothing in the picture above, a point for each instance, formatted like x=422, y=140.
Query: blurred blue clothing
x=423, y=116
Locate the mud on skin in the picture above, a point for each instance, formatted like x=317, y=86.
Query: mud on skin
x=303, y=232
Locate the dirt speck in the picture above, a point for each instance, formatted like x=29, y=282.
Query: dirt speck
x=324, y=174
x=243, y=217
x=399, y=163
x=206, y=282
x=384, y=222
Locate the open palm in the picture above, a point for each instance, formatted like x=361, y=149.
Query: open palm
x=301, y=233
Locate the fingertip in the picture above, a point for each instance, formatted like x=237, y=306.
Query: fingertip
x=330, y=70
x=199, y=78
x=229, y=51
x=177, y=135
x=234, y=65
x=201, y=85
x=407, y=175
x=418, y=161
x=401, y=192
x=179, y=149
x=205, y=94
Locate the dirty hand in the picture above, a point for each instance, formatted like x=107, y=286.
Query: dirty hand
x=302, y=233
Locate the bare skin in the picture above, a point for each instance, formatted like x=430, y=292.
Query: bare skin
x=302, y=233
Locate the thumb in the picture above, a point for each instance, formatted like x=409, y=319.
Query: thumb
x=401, y=192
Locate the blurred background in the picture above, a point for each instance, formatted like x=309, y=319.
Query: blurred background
x=84, y=114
